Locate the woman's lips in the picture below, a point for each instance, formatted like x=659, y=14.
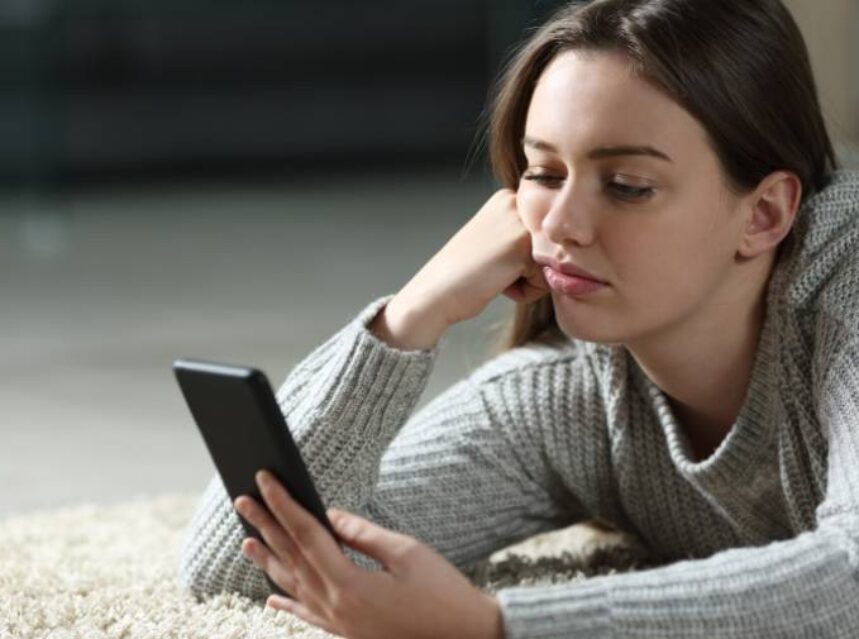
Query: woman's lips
x=567, y=268
x=570, y=284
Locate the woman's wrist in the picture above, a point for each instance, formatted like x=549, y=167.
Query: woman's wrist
x=400, y=325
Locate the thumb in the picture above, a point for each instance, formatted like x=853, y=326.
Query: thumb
x=368, y=538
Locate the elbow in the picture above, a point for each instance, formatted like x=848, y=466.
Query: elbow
x=197, y=570
x=209, y=568
x=192, y=585
x=210, y=556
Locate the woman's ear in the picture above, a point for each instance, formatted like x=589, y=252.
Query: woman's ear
x=772, y=210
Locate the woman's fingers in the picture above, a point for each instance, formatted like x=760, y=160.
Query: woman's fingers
x=535, y=279
x=524, y=291
x=299, y=610
x=278, y=540
x=531, y=293
x=302, y=575
x=315, y=543
x=266, y=561
x=295, y=576
x=272, y=533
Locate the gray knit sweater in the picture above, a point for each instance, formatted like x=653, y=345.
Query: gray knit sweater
x=760, y=540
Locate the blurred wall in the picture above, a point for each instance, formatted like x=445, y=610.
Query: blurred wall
x=830, y=28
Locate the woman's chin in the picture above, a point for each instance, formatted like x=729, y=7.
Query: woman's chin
x=583, y=321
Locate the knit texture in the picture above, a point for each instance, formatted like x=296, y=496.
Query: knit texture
x=761, y=539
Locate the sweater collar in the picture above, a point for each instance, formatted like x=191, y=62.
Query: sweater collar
x=749, y=436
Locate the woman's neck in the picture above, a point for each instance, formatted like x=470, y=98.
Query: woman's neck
x=704, y=366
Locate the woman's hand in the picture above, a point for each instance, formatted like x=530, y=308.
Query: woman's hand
x=488, y=256
x=418, y=594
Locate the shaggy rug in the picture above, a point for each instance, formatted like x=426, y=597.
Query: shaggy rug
x=108, y=572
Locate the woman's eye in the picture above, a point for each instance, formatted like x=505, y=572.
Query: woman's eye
x=627, y=192
x=541, y=178
x=619, y=190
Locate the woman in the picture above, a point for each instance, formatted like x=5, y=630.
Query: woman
x=698, y=387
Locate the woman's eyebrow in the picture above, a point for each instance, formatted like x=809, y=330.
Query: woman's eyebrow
x=603, y=151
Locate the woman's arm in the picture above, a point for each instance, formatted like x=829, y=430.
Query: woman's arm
x=343, y=403
x=803, y=587
x=458, y=477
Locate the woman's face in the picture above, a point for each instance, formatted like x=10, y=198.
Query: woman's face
x=662, y=232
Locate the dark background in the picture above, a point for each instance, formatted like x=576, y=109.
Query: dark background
x=95, y=90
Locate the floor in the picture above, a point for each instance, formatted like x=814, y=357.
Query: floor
x=101, y=291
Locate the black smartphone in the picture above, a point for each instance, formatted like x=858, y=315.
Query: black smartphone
x=244, y=430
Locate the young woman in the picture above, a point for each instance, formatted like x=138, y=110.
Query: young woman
x=683, y=363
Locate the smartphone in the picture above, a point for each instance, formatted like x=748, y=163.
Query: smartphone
x=244, y=430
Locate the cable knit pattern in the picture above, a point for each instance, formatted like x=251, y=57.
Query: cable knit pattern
x=761, y=539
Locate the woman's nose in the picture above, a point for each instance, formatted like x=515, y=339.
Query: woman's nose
x=567, y=220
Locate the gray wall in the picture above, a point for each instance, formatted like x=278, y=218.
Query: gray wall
x=830, y=28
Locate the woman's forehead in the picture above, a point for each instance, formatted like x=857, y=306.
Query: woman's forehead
x=591, y=97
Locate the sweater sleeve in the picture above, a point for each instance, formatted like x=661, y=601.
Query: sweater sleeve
x=457, y=475
x=807, y=586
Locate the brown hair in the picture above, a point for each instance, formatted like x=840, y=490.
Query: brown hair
x=740, y=68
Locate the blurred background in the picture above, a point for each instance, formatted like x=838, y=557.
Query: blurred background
x=234, y=181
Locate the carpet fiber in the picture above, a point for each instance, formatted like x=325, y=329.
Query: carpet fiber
x=100, y=572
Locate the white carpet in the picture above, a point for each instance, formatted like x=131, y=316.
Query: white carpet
x=108, y=572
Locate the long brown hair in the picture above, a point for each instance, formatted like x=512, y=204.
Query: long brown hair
x=740, y=68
